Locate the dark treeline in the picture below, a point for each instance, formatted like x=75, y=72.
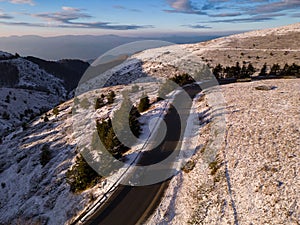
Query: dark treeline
x=246, y=71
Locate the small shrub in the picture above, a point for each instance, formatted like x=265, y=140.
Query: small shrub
x=55, y=111
x=214, y=166
x=5, y=115
x=45, y=156
x=7, y=99
x=189, y=166
x=46, y=119
x=24, y=126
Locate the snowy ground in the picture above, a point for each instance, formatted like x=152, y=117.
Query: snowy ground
x=257, y=167
x=36, y=91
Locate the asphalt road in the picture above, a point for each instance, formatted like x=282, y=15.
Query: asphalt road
x=131, y=205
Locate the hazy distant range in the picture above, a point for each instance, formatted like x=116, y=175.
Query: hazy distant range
x=85, y=47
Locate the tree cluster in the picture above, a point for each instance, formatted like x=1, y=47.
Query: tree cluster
x=243, y=72
x=171, y=84
x=287, y=70
x=106, y=131
x=236, y=71
x=81, y=176
x=100, y=102
x=182, y=79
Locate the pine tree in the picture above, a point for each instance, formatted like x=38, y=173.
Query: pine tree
x=263, y=71
x=144, y=104
x=111, y=97
x=81, y=175
x=217, y=71
x=55, y=111
x=250, y=70
x=99, y=103
x=275, y=70
x=237, y=70
x=45, y=155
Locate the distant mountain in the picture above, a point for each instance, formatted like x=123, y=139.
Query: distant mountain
x=85, y=47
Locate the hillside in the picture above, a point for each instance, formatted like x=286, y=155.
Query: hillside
x=70, y=71
x=278, y=45
x=26, y=91
x=249, y=177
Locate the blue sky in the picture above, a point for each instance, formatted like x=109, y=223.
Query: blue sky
x=141, y=17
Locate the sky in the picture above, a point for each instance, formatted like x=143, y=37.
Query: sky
x=142, y=17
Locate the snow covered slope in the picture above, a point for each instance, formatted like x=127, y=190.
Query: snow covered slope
x=30, y=92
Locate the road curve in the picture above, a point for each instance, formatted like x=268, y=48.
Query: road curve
x=131, y=205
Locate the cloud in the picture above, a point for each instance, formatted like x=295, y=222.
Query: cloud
x=4, y=15
x=125, y=8
x=248, y=11
x=29, y=2
x=68, y=18
x=65, y=16
x=233, y=14
x=70, y=9
x=277, y=6
x=198, y=26
x=253, y=19
x=183, y=6
x=296, y=15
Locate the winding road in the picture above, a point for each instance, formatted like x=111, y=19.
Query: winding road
x=131, y=205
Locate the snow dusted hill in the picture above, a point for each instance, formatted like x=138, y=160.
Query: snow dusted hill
x=25, y=91
x=32, y=193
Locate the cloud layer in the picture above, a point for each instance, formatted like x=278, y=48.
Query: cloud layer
x=182, y=6
x=70, y=17
x=235, y=10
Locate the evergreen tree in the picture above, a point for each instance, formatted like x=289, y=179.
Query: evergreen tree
x=237, y=70
x=263, y=71
x=250, y=70
x=144, y=104
x=285, y=70
x=46, y=119
x=275, y=70
x=111, y=97
x=99, y=103
x=217, y=71
x=244, y=72
x=81, y=175
x=55, y=111
x=45, y=155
